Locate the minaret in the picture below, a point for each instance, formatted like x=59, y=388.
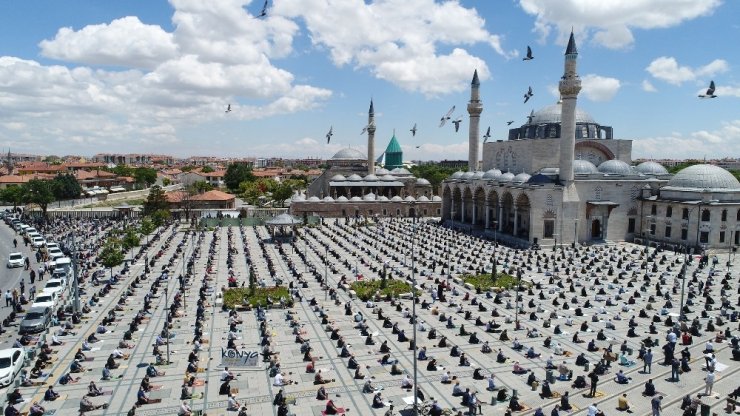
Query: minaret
x=570, y=86
x=371, y=139
x=475, y=107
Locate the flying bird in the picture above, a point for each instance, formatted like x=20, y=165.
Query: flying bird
x=446, y=117
x=457, y=122
x=364, y=129
x=263, y=13
x=529, y=56
x=228, y=108
x=508, y=123
x=413, y=131
x=487, y=135
x=418, y=146
x=528, y=95
x=710, y=92
x=328, y=135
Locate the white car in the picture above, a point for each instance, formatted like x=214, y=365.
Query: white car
x=15, y=260
x=55, y=253
x=50, y=245
x=38, y=242
x=11, y=363
x=55, y=285
x=31, y=230
x=46, y=300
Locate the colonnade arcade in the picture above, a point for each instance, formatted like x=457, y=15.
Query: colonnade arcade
x=508, y=210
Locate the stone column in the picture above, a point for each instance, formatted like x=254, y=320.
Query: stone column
x=475, y=212
x=500, y=219
x=516, y=219
x=488, y=217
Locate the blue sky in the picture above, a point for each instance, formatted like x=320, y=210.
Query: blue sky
x=82, y=77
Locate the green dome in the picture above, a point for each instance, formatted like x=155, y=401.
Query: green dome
x=393, y=146
x=393, y=154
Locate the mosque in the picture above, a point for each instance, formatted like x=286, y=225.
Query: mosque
x=563, y=177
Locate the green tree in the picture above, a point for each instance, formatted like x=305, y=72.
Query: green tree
x=682, y=165
x=66, y=187
x=14, y=194
x=166, y=181
x=123, y=170
x=39, y=192
x=111, y=255
x=249, y=192
x=131, y=238
x=200, y=187
x=147, y=176
x=156, y=201
x=282, y=192
x=160, y=216
x=187, y=168
x=146, y=227
x=236, y=173
x=207, y=169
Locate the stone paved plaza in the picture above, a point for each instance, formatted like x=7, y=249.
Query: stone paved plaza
x=603, y=286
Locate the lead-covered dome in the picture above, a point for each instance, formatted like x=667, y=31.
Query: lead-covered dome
x=651, y=168
x=521, y=178
x=349, y=154
x=457, y=175
x=615, y=167
x=492, y=174
x=704, y=177
x=553, y=114
x=506, y=177
x=584, y=167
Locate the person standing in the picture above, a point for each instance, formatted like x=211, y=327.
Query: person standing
x=647, y=361
x=657, y=405
x=675, y=369
x=8, y=298
x=709, y=379
x=594, y=382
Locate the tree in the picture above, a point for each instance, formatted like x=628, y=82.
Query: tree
x=147, y=176
x=156, y=201
x=111, y=254
x=146, y=227
x=166, y=181
x=66, y=187
x=14, y=194
x=207, y=169
x=39, y=192
x=282, y=192
x=249, y=192
x=130, y=239
x=236, y=173
x=201, y=186
x=161, y=216
x=123, y=170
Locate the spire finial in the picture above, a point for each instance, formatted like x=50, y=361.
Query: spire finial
x=372, y=110
x=476, y=82
x=571, y=49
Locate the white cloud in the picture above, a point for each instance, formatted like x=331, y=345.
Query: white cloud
x=647, y=86
x=598, y=88
x=711, y=144
x=124, y=42
x=399, y=40
x=667, y=69
x=435, y=151
x=612, y=21
x=725, y=91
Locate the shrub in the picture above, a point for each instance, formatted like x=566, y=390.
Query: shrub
x=485, y=282
x=236, y=296
x=366, y=289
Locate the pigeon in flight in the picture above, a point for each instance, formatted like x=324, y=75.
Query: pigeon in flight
x=364, y=129
x=487, y=135
x=528, y=95
x=529, y=56
x=418, y=146
x=508, y=123
x=228, y=108
x=263, y=13
x=446, y=117
x=710, y=92
x=413, y=131
x=457, y=122
x=328, y=135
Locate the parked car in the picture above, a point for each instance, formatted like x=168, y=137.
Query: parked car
x=15, y=260
x=55, y=253
x=46, y=300
x=36, y=320
x=11, y=363
x=55, y=285
x=37, y=242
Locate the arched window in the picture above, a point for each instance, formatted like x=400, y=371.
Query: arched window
x=705, y=215
x=685, y=213
x=724, y=215
x=669, y=212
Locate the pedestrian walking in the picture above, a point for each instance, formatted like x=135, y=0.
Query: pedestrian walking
x=8, y=298
x=27, y=264
x=675, y=369
x=709, y=379
x=32, y=293
x=657, y=405
x=647, y=361
x=42, y=271
x=15, y=243
x=15, y=298
x=23, y=285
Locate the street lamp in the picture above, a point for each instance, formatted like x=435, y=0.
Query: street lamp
x=516, y=313
x=493, y=268
x=413, y=310
x=75, y=281
x=575, y=232
x=326, y=272
x=685, y=269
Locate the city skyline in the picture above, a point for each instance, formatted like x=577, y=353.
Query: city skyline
x=158, y=77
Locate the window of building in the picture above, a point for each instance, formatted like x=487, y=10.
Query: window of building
x=398, y=211
x=705, y=215
x=370, y=213
x=684, y=233
x=669, y=211
x=552, y=132
x=667, y=231
x=357, y=213
x=425, y=212
x=724, y=215
x=631, y=225
x=737, y=216
x=685, y=213
x=385, y=212
x=652, y=229
x=721, y=236
x=344, y=212
x=653, y=209
x=584, y=131
x=438, y=212
x=549, y=228
x=704, y=237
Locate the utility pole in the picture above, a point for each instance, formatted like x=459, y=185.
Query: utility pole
x=166, y=322
x=413, y=313
x=75, y=282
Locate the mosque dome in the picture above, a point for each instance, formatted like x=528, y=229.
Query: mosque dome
x=397, y=199
x=704, y=177
x=387, y=178
x=615, y=167
x=369, y=197
x=355, y=199
x=328, y=199
x=370, y=177
x=457, y=175
x=478, y=174
x=409, y=199
x=437, y=198
x=338, y=178
x=381, y=171
x=423, y=182
x=521, y=178
x=467, y=175
x=383, y=198
x=552, y=114
x=349, y=154
x=314, y=199
x=583, y=167
x=506, y=177
x=423, y=198
x=651, y=168
x=298, y=198
x=400, y=172
x=492, y=174
x=342, y=199
x=354, y=177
